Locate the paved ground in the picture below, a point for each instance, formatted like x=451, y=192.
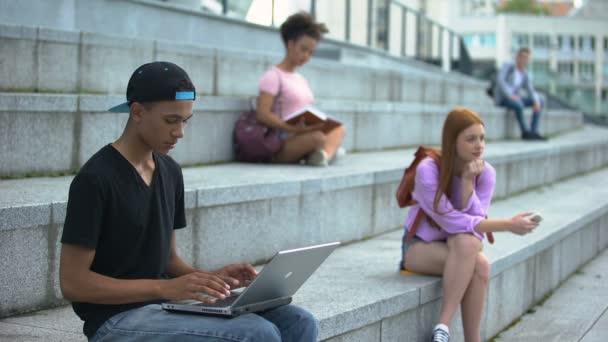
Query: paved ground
x=576, y=311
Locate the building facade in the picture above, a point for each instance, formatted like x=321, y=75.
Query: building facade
x=569, y=53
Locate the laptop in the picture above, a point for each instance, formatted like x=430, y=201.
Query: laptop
x=274, y=285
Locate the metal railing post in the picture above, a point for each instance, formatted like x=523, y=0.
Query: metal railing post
x=387, y=22
x=370, y=18
x=403, y=31
x=450, y=47
x=347, y=21
x=272, y=19
x=419, y=38
x=429, y=33
x=442, y=62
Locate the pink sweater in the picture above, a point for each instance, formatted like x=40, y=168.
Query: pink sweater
x=451, y=220
x=295, y=91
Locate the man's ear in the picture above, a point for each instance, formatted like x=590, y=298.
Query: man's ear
x=137, y=112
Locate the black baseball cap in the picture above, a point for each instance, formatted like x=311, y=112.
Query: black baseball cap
x=157, y=81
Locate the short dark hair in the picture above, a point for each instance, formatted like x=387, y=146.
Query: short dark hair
x=523, y=50
x=300, y=24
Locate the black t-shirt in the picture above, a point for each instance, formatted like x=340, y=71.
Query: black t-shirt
x=128, y=223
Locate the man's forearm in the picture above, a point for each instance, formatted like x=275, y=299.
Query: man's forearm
x=177, y=267
x=96, y=288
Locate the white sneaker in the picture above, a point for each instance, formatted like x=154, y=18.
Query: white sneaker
x=340, y=153
x=441, y=333
x=317, y=158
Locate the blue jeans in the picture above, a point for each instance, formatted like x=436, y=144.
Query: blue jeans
x=151, y=323
x=518, y=108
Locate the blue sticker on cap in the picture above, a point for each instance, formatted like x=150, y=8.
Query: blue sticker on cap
x=184, y=95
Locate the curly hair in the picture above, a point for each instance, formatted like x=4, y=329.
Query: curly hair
x=300, y=24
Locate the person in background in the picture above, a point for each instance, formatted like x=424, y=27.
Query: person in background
x=282, y=90
x=510, y=80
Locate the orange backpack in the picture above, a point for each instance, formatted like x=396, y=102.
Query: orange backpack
x=406, y=187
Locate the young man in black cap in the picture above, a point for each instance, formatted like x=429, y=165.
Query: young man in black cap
x=118, y=256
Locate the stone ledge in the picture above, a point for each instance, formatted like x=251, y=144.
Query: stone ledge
x=359, y=286
x=235, y=183
x=348, y=202
x=87, y=126
x=118, y=55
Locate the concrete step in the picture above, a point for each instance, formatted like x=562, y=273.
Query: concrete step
x=30, y=123
x=50, y=60
x=358, y=295
x=139, y=19
x=349, y=201
x=576, y=311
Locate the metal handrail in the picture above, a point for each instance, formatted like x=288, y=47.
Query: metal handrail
x=429, y=35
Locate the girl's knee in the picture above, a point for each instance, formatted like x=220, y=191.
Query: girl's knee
x=340, y=131
x=482, y=267
x=318, y=138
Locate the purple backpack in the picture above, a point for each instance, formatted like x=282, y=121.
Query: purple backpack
x=253, y=141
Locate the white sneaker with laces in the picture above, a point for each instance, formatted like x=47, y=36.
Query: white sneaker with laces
x=441, y=333
x=317, y=158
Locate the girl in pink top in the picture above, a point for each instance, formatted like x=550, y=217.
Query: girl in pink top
x=283, y=91
x=456, y=196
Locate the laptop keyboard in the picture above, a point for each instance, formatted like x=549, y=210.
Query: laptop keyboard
x=220, y=303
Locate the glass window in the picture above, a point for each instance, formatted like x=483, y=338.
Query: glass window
x=586, y=43
x=520, y=40
x=489, y=40
x=572, y=42
x=541, y=42
x=587, y=71
x=565, y=43
x=565, y=68
x=468, y=39
x=540, y=71
x=480, y=39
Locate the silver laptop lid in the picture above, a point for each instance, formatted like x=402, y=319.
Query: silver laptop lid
x=285, y=273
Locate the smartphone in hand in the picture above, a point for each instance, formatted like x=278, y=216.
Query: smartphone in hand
x=536, y=217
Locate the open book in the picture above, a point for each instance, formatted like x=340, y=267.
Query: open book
x=312, y=116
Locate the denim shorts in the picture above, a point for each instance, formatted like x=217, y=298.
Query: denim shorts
x=284, y=134
x=404, y=246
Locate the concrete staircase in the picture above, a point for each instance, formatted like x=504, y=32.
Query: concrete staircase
x=53, y=103
x=62, y=81
x=358, y=295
